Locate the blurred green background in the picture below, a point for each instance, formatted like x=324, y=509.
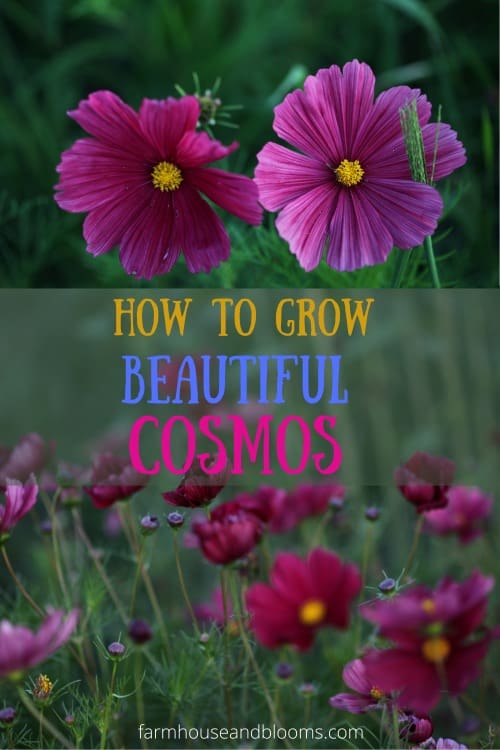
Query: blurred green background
x=55, y=52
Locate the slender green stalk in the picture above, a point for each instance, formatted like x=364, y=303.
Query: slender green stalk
x=140, y=558
x=19, y=585
x=138, y=693
x=364, y=571
x=431, y=260
x=307, y=710
x=251, y=656
x=402, y=260
x=395, y=728
x=39, y=716
x=40, y=731
x=456, y=709
x=138, y=550
x=109, y=703
x=99, y=567
x=183, y=586
x=414, y=545
x=10, y=740
x=414, y=144
x=225, y=645
x=157, y=610
x=266, y=553
x=317, y=539
x=57, y=559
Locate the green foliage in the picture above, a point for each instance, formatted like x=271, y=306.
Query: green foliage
x=55, y=53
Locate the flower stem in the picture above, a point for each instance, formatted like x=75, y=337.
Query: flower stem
x=402, y=260
x=317, y=539
x=138, y=693
x=138, y=550
x=57, y=554
x=140, y=557
x=395, y=728
x=431, y=260
x=38, y=715
x=183, y=585
x=157, y=610
x=100, y=569
x=19, y=585
x=225, y=644
x=414, y=546
x=10, y=740
x=252, y=659
x=364, y=570
x=109, y=703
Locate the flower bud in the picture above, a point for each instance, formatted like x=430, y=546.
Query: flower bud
x=372, y=513
x=116, y=650
x=149, y=524
x=175, y=520
x=140, y=631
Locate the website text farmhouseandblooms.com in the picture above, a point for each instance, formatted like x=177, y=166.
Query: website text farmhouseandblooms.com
x=257, y=732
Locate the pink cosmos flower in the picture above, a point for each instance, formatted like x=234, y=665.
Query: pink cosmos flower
x=282, y=510
x=140, y=177
x=19, y=500
x=304, y=501
x=443, y=744
x=230, y=533
x=366, y=697
x=113, y=478
x=437, y=646
x=303, y=596
x=351, y=190
x=424, y=480
x=414, y=728
x=213, y=611
x=467, y=509
x=27, y=457
x=21, y=648
x=198, y=488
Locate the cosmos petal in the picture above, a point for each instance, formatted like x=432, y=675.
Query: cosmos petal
x=233, y=192
x=283, y=175
x=357, y=235
x=304, y=222
x=164, y=123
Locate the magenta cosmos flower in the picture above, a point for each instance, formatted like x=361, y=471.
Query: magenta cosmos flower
x=283, y=511
x=303, y=596
x=437, y=644
x=424, y=480
x=213, y=611
x=198, y=488
x=366, y=697
x=113, y=478
x=27, y=457
x=21, y=648
x=350, y=191
x=231, y=533
x=19, y=500
x=464, y=515
x=301, y=503
x=140, y=177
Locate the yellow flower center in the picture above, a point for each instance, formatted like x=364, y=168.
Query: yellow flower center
x=312, y=612
x=43, y=687
x=166, y=176
x=428, y=606
x=349, y=173
x=376, y=693
x=436, y=650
